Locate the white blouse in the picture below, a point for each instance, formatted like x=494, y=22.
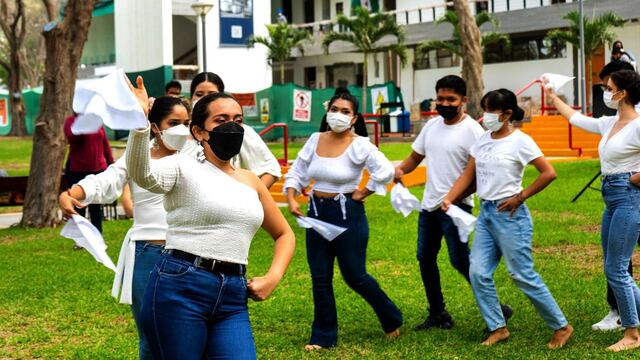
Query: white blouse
x=209, y=213
x=341, y=174
x=619, y=153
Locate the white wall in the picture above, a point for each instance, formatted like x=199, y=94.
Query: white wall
x=143, y=31
x=242, y=69
x=320, y=62
x=510, y=75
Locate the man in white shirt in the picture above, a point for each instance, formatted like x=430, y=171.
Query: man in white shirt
x=445, y=142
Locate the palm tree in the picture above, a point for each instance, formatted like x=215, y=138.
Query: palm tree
x=364, y=31
x=471, y=67
x=283, y=38
x=597, y=32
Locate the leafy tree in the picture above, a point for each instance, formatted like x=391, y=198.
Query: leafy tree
x=283, y=38
x=456, y=46
x=364, y=32
x=597, y=32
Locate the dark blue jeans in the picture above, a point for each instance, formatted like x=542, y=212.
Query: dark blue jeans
x=350, y=249
x=192, y=313
x=432, y=226
x=147, y=256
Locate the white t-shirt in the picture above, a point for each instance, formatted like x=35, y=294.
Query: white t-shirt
x=500, y=163
x=446, y=149
x=618, y=154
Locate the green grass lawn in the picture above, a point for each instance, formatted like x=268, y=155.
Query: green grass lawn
x=56, y=302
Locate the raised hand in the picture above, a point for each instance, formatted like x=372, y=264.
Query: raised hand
x=140, y=92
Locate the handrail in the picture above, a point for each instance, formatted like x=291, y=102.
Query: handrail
x=376, y=131
x=285, y=160
x=544, y=107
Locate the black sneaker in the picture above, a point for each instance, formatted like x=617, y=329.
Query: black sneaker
x=441, y=320
x=507, y=312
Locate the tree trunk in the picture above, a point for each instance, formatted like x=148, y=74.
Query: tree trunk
x=282, y=72
x=64, y=44
x=365, y=80
x=16, y=105
x=13, y=26
x=471, y=57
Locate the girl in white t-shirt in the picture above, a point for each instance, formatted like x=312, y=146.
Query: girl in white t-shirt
x=504, y=227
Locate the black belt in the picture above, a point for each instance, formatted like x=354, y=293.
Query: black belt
x=209, y=264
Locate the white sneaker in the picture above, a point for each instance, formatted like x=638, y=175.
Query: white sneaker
x=610, y=322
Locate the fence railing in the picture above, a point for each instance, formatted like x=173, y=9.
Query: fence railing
x=285, y=137
x=426, y=14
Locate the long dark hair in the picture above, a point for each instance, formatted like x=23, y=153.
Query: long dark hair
x=503, y=100
x=206, y=76
x=162, y=107
x=359, y=126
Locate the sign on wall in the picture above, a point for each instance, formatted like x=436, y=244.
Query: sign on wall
x=379, y=95
x=236, y=22
x=301, y=105
x=248, y=103
x=4, y=118
x=264, y=111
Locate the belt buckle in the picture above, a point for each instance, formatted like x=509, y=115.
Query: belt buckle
x=213, y=264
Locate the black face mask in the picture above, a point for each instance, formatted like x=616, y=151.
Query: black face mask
x=226, y=140
x=448, y=112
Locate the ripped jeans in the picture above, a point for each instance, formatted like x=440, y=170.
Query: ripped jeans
x=499, y=235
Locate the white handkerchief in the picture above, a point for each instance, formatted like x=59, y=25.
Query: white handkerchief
x=556, y=81
x=328, y=231
x=107, y=101
x=86, y=235
x=464, y=221
x=403, y=201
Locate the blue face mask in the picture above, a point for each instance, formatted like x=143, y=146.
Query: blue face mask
x=492, y=121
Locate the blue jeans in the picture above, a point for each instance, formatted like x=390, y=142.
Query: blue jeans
x=431, y=227
x=619, y=234
x=192, y=313
x=147, y=255
x=497, y=234
x=350, y=249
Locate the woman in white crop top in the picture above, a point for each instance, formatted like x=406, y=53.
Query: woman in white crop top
x=195, y=304
x=504, y=228
x=335, y=160
x=143, y=243
x=619, y=151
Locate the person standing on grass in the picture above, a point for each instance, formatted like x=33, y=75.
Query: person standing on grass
x=612, y=320
x=335, y=160
x=143, y=243
x=619, y=151
x=195, y=303
x=254, y=154
x=88, y=154
x=445, y=142
x=504, y=227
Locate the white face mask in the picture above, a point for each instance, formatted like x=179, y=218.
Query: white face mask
x=607, y=97
x=492, y=121
x=338, y=122
x=175, y=137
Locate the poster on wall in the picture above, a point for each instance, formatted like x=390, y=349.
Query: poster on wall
x=4, y=118
x=378, y=96
x=301, y=105
x=264, y=111
x=236, y=22
x=248, y=103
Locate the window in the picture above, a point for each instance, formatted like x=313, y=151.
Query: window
x=558, y=1
x=533, y=47
x=326, y=9
x=437, y=59
x=482, y=6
